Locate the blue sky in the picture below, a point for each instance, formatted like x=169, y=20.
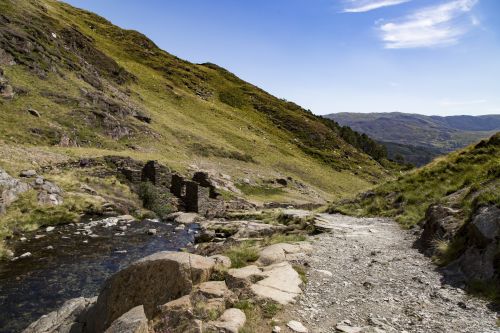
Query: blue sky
x=438, y=57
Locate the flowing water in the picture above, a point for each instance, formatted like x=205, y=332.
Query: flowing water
x=70, y=262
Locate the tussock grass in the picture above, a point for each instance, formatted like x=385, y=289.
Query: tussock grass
x=243, y=254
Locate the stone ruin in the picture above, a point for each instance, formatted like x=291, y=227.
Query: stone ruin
x=197, y=195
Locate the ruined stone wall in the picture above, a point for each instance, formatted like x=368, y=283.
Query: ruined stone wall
x=197, y=195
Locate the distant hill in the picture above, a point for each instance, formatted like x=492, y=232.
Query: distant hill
x=418, y=138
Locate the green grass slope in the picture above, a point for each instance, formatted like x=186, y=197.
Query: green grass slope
x=470, y=178
x=101, y=89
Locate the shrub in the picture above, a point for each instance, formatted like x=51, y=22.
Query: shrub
x=155, y=200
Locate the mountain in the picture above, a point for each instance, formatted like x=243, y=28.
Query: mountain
x=417, y=138
x=71, y=79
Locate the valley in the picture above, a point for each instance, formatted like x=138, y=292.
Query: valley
x=418, y=139
x=143, y=193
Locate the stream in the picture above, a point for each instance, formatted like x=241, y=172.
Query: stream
x=74, y=260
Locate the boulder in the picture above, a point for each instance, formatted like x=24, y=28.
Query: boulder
x=151, y=281
x=10, y=189
x=27, y=173
x=479, y=261
x=440, y=223
x=486, y=225
x=185, y=218
x=69, y=318
x=231, y=321
x=133, y=321
x=277, y=253
x=48, y=192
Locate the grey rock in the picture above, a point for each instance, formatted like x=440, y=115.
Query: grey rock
x=486, y=224
x=26, y=255
x=133, y=321
x=10, y=190
x=69, y=318
x=34, y=113
x=231, y=321
x=27, y=173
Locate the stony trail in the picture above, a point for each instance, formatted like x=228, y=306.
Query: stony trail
x=365, y=276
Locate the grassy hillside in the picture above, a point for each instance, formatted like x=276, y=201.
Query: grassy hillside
x=468, y=179
x=75, y=84
x=418, y=138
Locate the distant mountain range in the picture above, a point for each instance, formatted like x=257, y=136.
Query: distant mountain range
x=416, y=138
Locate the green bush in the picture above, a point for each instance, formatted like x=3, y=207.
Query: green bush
x=155, y=200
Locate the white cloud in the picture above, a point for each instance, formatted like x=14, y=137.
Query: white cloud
x=439, y=25
x=360, y=6
x=448, y=103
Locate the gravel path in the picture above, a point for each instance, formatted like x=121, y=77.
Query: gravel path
x=365, y=276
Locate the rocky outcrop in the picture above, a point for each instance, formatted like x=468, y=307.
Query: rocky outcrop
x=440, y=223
x=48, y=192
x=69, y=318
x=10, y=188
x=480, y=258
x=133, y=321
x=151, y=281
x=6, y=90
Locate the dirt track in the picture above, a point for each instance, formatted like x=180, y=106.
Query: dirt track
x=367, y=272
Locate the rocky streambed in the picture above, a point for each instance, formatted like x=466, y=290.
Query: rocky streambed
x=55, y=264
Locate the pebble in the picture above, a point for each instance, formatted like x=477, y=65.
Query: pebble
x=151, y=231
x=25, y=255
x=49, y=229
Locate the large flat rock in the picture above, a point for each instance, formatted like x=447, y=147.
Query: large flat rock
x=277, y=253
x=281, y=284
